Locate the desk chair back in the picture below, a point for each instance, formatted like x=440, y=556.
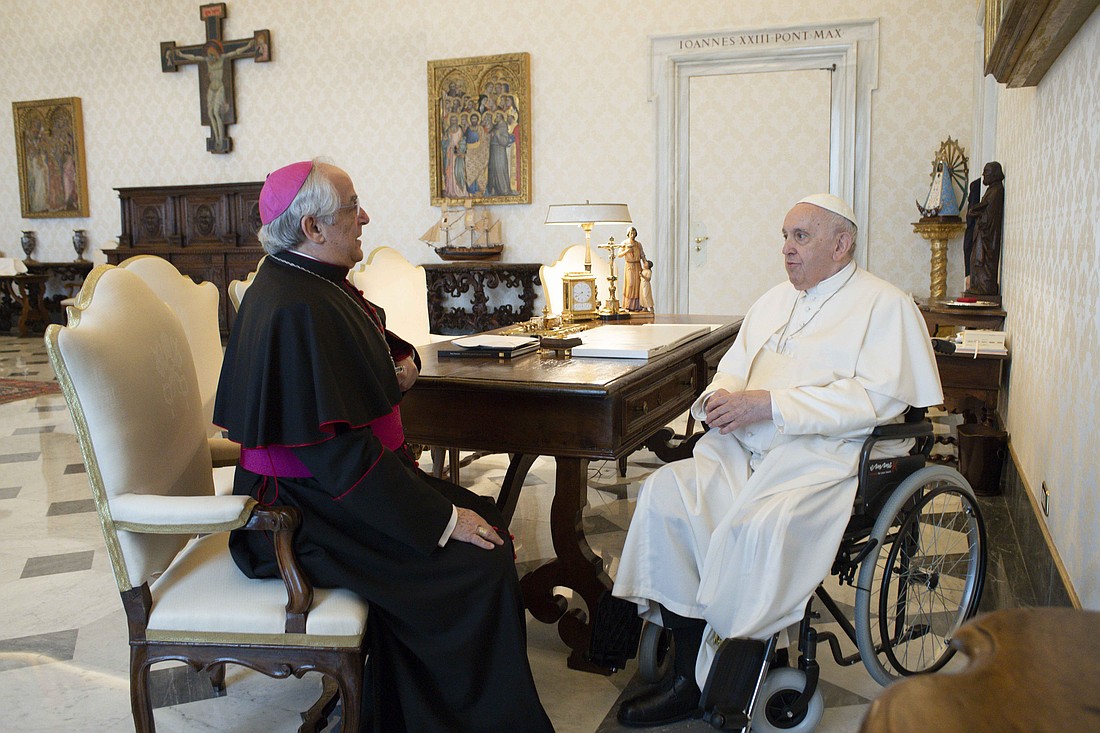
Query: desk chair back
x=196, y=306
x=237, y=288
x=389, y=280
x=572, y=260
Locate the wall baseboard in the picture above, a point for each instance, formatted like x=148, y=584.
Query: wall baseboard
x=1040, y=577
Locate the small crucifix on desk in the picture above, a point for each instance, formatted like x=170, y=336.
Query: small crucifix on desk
x=215, y=58
x=611, y=309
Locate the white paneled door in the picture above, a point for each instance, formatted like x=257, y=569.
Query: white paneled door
x=758, y=143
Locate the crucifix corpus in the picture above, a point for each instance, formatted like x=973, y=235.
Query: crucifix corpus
x=215, y=58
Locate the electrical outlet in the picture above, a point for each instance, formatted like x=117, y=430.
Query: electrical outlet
x=1046, y=500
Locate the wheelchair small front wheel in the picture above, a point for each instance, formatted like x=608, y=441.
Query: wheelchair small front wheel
x=924, y=577
x=773, y=710
x=655, y=652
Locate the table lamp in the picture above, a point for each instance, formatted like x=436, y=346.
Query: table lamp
x=588, y=215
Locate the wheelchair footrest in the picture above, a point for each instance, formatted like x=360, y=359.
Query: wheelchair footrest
x=722, y=718
x=737, y=670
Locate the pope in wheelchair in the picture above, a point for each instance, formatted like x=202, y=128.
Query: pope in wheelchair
x=726, y=548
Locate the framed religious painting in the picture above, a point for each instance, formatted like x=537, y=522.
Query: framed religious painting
x=479, y=130
x=49, y=149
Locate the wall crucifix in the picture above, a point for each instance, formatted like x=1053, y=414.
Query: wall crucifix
x=215, y=58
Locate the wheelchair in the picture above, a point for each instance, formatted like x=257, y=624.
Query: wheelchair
x=915, y=552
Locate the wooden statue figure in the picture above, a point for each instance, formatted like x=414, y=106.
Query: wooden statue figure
x=988, y=219
x=633, y=256
x=645, y=300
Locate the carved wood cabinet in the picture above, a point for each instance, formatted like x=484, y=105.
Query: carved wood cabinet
x=207, y=231
x=470, y=297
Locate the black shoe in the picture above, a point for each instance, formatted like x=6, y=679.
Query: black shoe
x=676, y=699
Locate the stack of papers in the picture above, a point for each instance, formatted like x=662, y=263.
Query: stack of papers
x=636, y=342
x=488, y=344
x=980, y=341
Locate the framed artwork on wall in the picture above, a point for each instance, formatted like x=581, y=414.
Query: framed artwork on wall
x=49, y=145
x=479, y=129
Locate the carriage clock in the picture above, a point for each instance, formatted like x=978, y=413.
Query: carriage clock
x=579, y=299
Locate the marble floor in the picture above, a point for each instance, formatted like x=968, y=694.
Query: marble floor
x=63, y=648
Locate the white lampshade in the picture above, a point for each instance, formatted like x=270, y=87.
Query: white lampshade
x=588, y=213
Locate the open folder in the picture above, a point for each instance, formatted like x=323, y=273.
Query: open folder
x=488, y=344
x=642, y=341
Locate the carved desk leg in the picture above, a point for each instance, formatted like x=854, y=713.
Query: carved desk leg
x=576, y=566
x=518, y=466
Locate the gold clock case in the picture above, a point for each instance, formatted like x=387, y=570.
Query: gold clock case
x=569, y=307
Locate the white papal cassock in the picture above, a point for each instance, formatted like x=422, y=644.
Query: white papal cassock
x=742, y=533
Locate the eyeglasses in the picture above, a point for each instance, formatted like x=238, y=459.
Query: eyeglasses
x=353, y=205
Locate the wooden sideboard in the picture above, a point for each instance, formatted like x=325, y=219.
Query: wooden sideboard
x=971, y=386
x=207, y=231
x=470, y=297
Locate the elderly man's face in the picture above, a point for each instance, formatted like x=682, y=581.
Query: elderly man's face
x=342, y=245
x=813, y=248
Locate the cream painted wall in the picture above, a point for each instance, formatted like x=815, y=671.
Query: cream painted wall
x=348, y=80
x=1048, y=140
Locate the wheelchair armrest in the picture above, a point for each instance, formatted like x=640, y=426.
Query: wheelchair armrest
x=921, y=432
x=895, y=431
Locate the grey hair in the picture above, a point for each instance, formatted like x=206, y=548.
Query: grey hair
x=317, y=198
x=844, y=226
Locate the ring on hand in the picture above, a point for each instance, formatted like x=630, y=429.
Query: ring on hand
x=483, y=532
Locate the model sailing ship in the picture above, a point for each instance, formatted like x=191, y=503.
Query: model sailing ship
x=465, y=233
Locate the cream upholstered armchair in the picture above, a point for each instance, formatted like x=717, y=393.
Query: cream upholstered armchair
x=125, y=367
x=389, y=280
x=237, y=288
x=196, y=305
x=401, y=288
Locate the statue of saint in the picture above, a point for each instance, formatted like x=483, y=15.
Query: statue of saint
x=987, y=217
x=632, y=254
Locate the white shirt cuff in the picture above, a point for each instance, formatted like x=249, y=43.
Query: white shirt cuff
x=450, y=527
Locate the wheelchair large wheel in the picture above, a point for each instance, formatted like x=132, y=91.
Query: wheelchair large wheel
x=773, y=715
x=924, y=577
x=655, y=650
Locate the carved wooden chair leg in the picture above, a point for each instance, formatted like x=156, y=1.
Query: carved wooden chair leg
x=217, y=678
x=140, y=705
x=316, y=718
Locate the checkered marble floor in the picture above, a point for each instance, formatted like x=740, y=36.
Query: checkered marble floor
x=63, y=644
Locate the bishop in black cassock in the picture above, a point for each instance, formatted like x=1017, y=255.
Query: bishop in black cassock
x=310, y=391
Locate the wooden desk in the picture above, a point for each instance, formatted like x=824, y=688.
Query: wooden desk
x=575, y=410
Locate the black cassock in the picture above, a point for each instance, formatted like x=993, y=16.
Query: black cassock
x=309, y=368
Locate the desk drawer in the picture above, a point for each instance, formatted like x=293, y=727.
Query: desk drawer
x=653, y=405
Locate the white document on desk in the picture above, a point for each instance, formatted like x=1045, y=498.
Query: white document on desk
x=643, y=341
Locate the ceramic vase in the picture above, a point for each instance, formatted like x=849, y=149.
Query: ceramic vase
x=80, y=243
x=29, y=241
